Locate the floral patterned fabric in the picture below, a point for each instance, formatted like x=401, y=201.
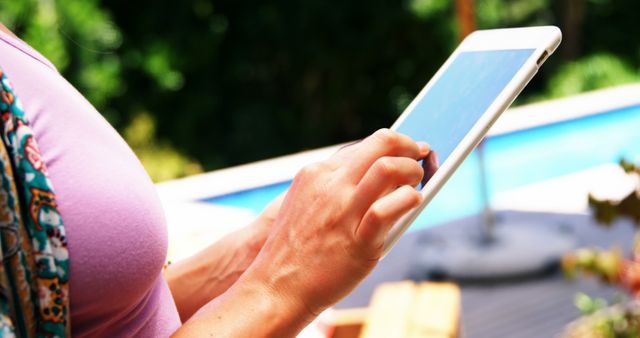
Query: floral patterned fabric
x=34, y=274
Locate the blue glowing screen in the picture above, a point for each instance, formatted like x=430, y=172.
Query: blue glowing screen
x=454, y=103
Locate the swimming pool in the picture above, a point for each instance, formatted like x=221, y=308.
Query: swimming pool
x=514, y=157
x=512, y=160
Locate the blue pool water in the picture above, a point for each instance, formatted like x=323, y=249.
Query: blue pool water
x=512, y=160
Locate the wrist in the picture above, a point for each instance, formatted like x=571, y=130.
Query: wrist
x=281, y=314
x=200, y=278
x=284, y=282
x=248, y=309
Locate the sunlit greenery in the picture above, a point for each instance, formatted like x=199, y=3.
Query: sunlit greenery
x=226, y=82
x=591, y=72
x=501, y=13
x=161, y=160
x=78, y=37
x=82, y=41
x=428, y=8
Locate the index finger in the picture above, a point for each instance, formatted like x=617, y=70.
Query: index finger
x=384, y=142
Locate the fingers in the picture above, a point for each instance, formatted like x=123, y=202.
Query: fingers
x=375, y=224
x=384, y=176
x=424, y=148
x=359, y=157
x=430, y=165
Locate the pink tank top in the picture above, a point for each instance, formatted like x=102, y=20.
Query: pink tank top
x=114, y=221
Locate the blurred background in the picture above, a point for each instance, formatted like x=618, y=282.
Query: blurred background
x=196, y=85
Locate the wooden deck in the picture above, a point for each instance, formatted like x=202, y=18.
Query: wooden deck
x=539, y=306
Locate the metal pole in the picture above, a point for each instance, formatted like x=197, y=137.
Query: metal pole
x=488, y=217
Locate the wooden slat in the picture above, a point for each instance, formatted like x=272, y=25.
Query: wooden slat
x=390, y=306
x=347, y=323
x=436, y=311
x=350, y=316
x=408, y=310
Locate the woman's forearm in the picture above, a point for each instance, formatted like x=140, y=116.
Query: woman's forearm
x=200, y=278
x=248, y=309
x=197, y=280
x=328, y=235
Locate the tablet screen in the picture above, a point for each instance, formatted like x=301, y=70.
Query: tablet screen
x=453, y=105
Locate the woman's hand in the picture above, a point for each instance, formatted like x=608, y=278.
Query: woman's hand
x=327, y=236
x=332, y=225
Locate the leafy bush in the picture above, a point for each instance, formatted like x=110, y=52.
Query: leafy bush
x=161, y=160
x=592, y=72
x=227, y=82
x=619, y=321
x=612, y=267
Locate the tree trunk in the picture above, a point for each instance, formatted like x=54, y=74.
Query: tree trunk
x=573, y=18
x=466, y=17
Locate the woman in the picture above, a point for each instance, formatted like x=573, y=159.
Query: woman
x=305, y=252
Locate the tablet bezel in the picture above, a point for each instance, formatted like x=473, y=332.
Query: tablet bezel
x=544, y=40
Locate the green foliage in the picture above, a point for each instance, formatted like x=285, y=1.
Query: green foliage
x=229, y=82
x=605, y=264
x=509, y=13
x=82, y=41
x=588, y=305
x=161, y=160
x=78, y=37
x=426, y=9
x=233, y=82
x=589, y=73
x=619, y=321
x=612, y=26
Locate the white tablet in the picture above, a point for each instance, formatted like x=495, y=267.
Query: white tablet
x=465, y=97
